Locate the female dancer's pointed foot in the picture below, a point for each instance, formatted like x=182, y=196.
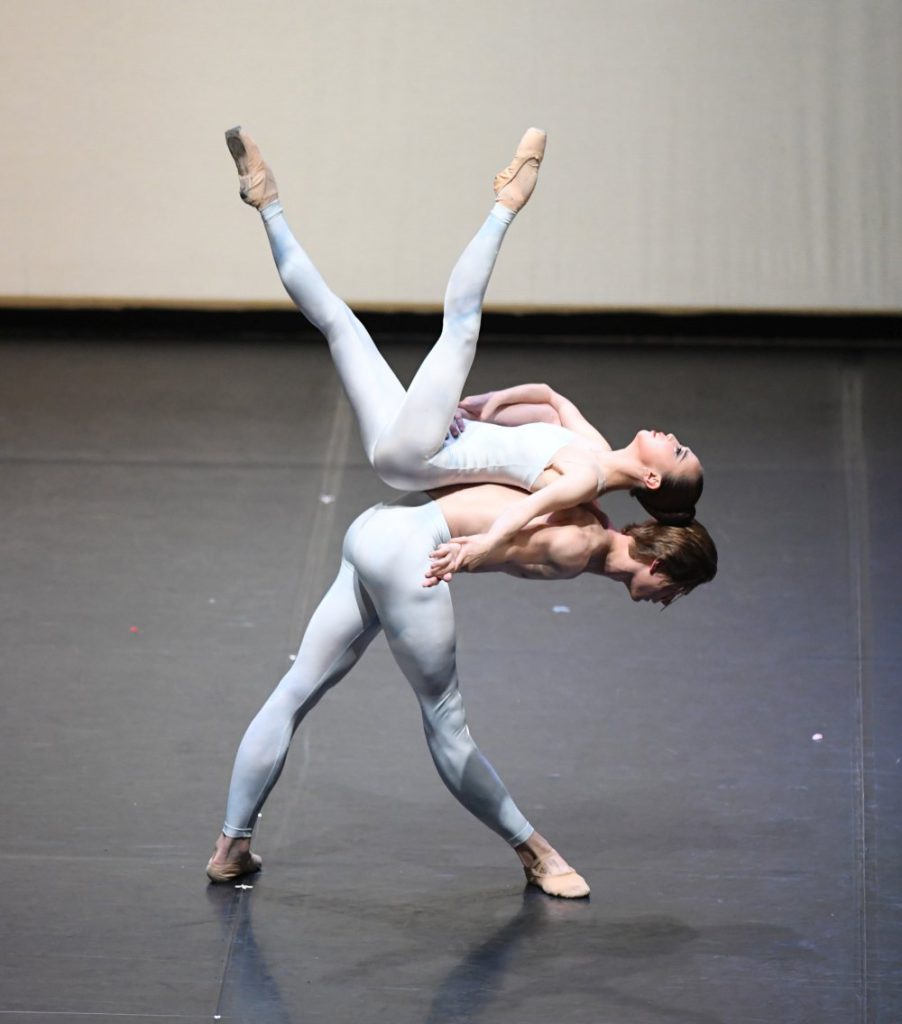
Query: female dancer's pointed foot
x=242, y=862
x=513, y=186
x=256, y=183
x=554, y=876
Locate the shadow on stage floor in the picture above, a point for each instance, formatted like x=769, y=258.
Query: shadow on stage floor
x=172, y=511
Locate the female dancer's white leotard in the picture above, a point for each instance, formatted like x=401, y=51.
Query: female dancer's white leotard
x=487, y=452
x=405, y=433
x=379, y=587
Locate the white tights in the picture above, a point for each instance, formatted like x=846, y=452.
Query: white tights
x=401, y=430
x=378, y=587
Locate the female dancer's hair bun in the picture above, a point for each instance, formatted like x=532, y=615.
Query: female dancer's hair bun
x=670, y=516
x=682, y=518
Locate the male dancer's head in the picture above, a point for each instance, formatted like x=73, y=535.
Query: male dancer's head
x=654, y=561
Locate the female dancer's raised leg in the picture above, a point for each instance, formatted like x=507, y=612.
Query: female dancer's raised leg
x=400, y=430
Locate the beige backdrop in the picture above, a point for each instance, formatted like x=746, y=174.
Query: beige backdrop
x=702, y=153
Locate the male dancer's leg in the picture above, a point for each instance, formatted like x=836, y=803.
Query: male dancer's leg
x=419, y=626
x=339, y=632
x=387, y=551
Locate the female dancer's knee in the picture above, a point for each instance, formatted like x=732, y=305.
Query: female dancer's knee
x=398, y=462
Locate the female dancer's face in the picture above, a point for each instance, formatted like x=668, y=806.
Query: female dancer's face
x=666, y=456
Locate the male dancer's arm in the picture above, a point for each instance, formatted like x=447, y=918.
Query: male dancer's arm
x=552, y=548
x=575, y=486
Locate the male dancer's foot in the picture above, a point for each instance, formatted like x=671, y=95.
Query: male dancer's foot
x=547, y=869
x=231, y=859
x=513, y=186
x=256, y=183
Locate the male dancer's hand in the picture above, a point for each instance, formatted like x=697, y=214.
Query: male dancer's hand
x=460, y=554
x=441, y=562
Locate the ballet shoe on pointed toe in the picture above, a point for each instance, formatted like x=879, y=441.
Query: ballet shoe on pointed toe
x=514, y=185
x=247, y=864
x=555, y=877
x=256, y=183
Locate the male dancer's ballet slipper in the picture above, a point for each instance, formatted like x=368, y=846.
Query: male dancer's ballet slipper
x=554, y=876
x=256, y=183
x=247, y=864
x=513, y=186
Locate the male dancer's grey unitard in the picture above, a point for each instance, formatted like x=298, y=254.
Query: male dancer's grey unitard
x=379, y=587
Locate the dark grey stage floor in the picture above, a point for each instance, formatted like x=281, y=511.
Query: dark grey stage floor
x=171, y=513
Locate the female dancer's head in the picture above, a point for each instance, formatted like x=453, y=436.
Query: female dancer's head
x=672, y=480
x=676, y=559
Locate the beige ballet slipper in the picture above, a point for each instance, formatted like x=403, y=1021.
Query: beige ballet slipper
x=514, y=185
x=256, y=183
x=554, y=876
x=247, y=864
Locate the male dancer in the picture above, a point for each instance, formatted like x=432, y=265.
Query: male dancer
x=381, y=586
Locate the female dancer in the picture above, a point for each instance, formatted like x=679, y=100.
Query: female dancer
x=405, y=434
x=377, y=587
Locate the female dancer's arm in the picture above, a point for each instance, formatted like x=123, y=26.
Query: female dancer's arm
x=531, y=403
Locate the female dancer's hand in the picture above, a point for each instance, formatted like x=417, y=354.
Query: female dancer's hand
x=473, y=405
x=457, y=424
x=512, y=407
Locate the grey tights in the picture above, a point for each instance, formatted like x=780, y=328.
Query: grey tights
x=378, y=587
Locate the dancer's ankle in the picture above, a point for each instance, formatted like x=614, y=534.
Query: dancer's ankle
x=272, y=209
x=533, y=849
x=503, y=213
x=230, y=848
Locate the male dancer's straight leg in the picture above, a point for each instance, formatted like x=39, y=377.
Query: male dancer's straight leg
x=426, y=656
x=339, y=632
x=421, y=632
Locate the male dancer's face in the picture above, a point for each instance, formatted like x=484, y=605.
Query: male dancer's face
x=650, y=584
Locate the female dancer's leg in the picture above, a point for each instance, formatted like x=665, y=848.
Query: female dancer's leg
x=400, y=430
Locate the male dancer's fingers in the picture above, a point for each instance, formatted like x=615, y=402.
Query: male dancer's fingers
x=433, y=581
x=470, y=552
x=442, y=564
